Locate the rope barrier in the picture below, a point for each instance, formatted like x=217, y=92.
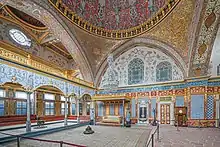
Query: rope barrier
x=44, y=140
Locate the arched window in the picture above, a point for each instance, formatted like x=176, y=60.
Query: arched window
x=218, y=70
x=164, y=71
x=135, y=71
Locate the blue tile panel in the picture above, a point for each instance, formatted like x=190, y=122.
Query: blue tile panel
x=197, y=107
x=210, y=107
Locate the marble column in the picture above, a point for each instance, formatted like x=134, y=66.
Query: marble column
x=77, y=110
x=92, y=111
x=65, y=111
x=28, y=122
x=172, y=116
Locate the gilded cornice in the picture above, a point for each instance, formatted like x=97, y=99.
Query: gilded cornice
x=8, y=52
x=175, y=28
x=114, y=34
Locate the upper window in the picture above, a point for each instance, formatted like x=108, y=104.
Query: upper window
x=164, y=71
x=136, y=71
x=19, y=37
x=218, y=70
x=2, y=93
x=21, y=94
x=48, y=96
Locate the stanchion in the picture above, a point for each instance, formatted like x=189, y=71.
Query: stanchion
x=152, y=137
x=61, y=143
x=18, y=141
x=158, y=132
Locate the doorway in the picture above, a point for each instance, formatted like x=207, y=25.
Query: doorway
x=165, y=113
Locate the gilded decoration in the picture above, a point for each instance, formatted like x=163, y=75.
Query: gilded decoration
x=203, y=44
x=129, y=30
x=36, y=11
x=175, y=28
x=96, y=48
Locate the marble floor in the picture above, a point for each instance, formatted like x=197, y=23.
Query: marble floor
x=188, y=137
x=104, y=136
x=19, y=131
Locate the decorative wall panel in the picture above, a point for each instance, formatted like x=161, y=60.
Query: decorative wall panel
x=210, y=107
x=133, y=107
x=34, y=80
x=179, y=101
x=152, y=58
x=197, y=107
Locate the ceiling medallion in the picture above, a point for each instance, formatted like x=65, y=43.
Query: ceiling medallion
x=118, y=19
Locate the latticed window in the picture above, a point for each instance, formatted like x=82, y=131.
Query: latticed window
x=135, y=71
x=218, y=70
x=21, y=107
x=164, y=71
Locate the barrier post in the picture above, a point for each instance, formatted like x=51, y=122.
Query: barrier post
x=61, y=143
x=152, y=140
x=158, y=132
x=18, y=141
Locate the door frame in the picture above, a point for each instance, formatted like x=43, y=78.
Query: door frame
x=171, y=111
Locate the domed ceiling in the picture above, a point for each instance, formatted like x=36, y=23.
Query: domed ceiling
x=115, y=14
x=117, y=19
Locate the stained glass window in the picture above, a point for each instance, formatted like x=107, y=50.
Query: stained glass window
x=20, y=37
x=218, y=70
x=136, y=71
x=164, y=71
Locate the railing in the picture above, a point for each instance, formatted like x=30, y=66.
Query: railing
x=54, y=142
x=151, y=141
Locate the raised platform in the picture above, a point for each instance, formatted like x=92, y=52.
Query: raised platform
x=51, y=128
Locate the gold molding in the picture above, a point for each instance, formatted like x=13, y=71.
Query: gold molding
x=23, y=22
x=115, y=34
x=25, y=59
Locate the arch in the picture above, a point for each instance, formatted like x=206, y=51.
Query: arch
x=50, y=85
x=142, y=42
x=135, y=71
x=86, y=97
x=61, y=32
x=164, y=71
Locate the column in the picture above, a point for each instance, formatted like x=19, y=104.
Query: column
x=77, y=110
x=148, y=112
x=172, y=117
x=28, y=122
x=217, y=109
x=92, y=112
x=123, y=120
x=65, y=111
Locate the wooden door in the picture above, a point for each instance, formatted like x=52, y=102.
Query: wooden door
x=165, y=113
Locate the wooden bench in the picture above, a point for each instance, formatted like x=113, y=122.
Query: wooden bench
x=15, y=119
